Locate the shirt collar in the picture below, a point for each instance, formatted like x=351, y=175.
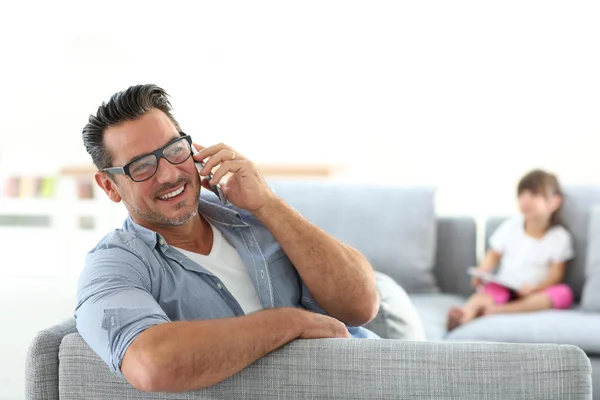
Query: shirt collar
x=208, y=207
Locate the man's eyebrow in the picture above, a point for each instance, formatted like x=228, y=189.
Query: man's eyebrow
x=145, y=154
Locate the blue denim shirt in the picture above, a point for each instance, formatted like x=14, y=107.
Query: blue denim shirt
x=133, y=280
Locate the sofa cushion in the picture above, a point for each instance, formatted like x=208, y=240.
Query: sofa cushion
x=590, y=298
x=394, y=227
x=575, y=213
x=433, y=310
x=397, y=317
x=574, y=327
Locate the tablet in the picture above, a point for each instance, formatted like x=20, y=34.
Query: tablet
x=491, y=278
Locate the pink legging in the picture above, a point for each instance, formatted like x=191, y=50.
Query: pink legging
x=560, y=295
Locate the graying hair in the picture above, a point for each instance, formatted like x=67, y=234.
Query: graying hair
x=123, y=106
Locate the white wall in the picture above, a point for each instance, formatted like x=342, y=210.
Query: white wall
x=464, y=95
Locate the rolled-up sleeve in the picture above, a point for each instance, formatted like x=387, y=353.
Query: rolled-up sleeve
x=115, y=304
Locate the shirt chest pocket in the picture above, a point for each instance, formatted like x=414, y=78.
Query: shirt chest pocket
x=285, y=280
x=187, y=295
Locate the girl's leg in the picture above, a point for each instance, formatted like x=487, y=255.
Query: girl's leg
x=471, y=310
x=489, y=295
x=475, y=306
x=558, y=296
x=533, y=302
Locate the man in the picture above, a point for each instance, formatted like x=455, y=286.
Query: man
x=191, y=291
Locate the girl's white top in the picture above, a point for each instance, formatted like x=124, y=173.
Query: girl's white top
x=525, y=259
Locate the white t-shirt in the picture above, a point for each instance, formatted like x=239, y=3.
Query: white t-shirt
x=525, y=259
x=226, y=264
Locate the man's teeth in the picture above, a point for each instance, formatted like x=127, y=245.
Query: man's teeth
x=172, y=194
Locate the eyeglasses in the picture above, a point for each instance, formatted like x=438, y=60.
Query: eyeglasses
x=144, y=167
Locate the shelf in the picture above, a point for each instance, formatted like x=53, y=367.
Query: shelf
x=18, y=206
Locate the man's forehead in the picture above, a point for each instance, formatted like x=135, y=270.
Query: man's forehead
x=137, y=137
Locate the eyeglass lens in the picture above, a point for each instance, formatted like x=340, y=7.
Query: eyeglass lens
x=176, y=153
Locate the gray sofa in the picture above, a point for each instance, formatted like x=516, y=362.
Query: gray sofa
x=579, y=326
x=398, y=230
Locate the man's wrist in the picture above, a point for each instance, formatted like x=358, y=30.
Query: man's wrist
x=270, y=207
x=296, y=318
x=292, y=319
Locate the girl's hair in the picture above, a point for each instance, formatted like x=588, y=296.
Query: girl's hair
x=545, y=184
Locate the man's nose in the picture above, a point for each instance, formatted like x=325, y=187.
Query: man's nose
x=167, y=172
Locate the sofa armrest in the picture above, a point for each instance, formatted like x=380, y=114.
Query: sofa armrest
x=364, y=369
x=41, y=364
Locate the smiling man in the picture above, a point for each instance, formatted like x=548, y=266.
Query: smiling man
x=190, y=291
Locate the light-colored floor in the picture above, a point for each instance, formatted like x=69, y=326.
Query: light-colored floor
x=28, y=305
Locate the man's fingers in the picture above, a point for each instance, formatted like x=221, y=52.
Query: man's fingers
x=226, y=167
x=218, y=158
x=212, y=150
x=213, y=161
x=198, y=147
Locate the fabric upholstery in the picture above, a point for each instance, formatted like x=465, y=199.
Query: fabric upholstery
x=579, y=201
x=590, y=298
x=551, y=326
x=394, y=227
x=359, y=368
x=595, y=362
x=41, y=364
x=363, y=369
x=575, y=213
x=456, y=251
x=397, y=318
x=433, y=310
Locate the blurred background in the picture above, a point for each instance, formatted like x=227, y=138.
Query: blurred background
x=466, y=96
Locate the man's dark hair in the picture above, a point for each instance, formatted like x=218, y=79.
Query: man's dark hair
x=545, y=184
x=127, y=105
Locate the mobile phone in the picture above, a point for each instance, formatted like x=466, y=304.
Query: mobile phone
x=216, y=189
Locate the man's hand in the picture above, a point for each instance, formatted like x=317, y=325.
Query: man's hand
x=246, y=188
x=318, y=326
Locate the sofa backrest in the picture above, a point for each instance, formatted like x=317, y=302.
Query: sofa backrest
x=393, y=226
x=456, y=252
x=575, y=214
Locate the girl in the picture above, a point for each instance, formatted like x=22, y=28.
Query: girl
x=532, y=250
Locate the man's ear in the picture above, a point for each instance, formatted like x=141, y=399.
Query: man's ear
x=109, y=187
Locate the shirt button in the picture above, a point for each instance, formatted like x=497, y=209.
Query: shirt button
x=161, y=242
x=219, y=286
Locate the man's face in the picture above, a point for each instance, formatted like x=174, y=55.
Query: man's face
x=146, y=200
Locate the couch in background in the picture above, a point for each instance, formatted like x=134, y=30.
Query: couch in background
x=428, y=256
x=410, y=247
x=579, y=326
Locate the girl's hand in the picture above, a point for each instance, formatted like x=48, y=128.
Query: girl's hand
x=526, y=290
x=476, y=282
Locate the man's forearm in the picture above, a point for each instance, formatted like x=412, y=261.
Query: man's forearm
x=181, y=356
x=340, y=278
